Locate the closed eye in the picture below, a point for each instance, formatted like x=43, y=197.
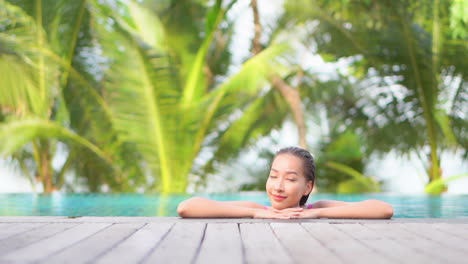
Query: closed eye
x=273, y=176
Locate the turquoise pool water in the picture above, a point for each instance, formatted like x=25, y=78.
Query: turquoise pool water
x=413, y=206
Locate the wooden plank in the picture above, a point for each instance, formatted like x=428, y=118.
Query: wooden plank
x=417, y=243
x=90, y=248
x=301, y=245
x=222, y=243
x=5, y=229
x=23, y=239
x=8, y=230
x=439, y=237
x=180, y=245
x=261, y=245
x=42, y=249
x=385, y=246
x=345, y=247
x=452, y=229
x=139, y=244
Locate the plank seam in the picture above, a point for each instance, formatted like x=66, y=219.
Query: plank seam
x=27, y=230
x=244, y=257
x=69, y=246
x=118, y=243
x=436, y=241
x=282, y=244
x=197, y=251
x=381, y=253
x=366, y=246
x=334, y=252
x=156, y=245
x=41, y=239
x=419, y=250
x=449, y=233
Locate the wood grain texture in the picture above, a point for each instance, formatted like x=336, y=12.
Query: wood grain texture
x=303, y=247
x=176, y=240
x=46, y=247
x=136, y=247
x=456, y=230
x=32, y=236
x=384, y=246
x=11, y=229
x=414, y=242
x=221, y=244
x=180, y=245
x=261, y=245
x=439, y=237
x=92, y=247
x=343, y=245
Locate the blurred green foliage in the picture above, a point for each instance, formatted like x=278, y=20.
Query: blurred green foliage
x=142, y=95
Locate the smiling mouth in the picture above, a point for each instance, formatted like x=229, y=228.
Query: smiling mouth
x=278, y=198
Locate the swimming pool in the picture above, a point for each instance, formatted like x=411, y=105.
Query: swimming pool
x=57, y=204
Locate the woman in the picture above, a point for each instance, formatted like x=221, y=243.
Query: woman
x=292, y=177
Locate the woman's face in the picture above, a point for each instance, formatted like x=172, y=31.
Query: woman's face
x=287, y=183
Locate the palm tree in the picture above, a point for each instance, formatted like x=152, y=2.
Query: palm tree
x=157, y=89
x=36, y=57
x=405, y=54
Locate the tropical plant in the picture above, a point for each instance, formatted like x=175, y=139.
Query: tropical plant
x=410, y=65
x=158, y=91
x=438, y=186
x=37, y=51
x=126, y=78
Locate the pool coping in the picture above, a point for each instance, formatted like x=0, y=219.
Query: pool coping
x=140, y=219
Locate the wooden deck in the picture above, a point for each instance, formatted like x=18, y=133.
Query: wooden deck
x=175, y=240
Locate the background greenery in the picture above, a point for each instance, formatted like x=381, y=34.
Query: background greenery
x=149, y=95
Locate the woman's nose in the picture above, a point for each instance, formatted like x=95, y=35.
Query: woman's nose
x=279, y=185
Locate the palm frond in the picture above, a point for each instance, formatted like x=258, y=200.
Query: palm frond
x=144, y=25
x=258, y=120
x=437, y=187
x=16, y=134
x=140, y=96
x=370, y=184
x=238, y=90
x=20, y=89
x=195, y=84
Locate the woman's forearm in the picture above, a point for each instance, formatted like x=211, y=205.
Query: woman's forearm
x=202, y=207
x=371, y=209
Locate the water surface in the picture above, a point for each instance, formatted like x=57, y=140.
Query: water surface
x=78, y=204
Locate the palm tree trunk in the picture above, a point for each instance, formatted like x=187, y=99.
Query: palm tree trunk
x=256, y=46
x=291, y=95
x=293, y=98
x=25, y=171
x=435, y=172
x=45, y=167
x=428, y=103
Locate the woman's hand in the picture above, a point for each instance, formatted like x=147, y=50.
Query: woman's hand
x=308, y=213
x=272, y=213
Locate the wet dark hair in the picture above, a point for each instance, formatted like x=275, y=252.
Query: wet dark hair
x=308, y=164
